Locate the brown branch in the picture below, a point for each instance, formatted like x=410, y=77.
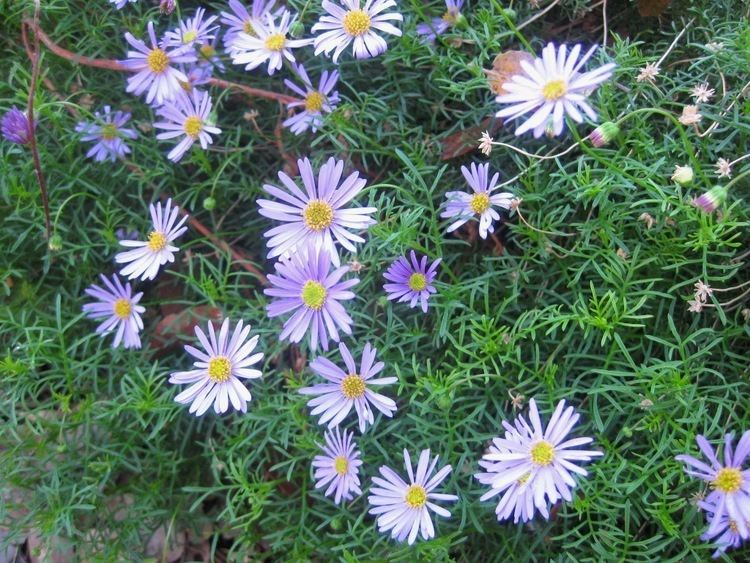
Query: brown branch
x=255, y=92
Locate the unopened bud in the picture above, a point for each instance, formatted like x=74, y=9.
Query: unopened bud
x=166, y=7
x=55, y=243
x=297, y=29
x=604, y=134
x=209, y=204
x=711, y=200
x=683, y=175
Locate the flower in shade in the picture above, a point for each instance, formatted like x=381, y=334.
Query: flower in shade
x=318, y=215
x=108, y=135
x=350, y=388
x=208, y=56
x=216, y=379
x=305, y=286
x=480, y=204
x=338, y=467
x=197, y=75
x=187, y=117
x=120, y=4
x=242, y=21
x=710, y=201
x=440, y=25
x=155, y=73
x=270, y=43
x=116, y=304
x=404, y=508
x=552, y=86
x=411, y=280
x=730, y=484
x=15, y=126
x=192, y=31
x=148, y=256
x=315, y=101
x=726, y=535
x=648, y=73
x=351, y=22
x=533, y=464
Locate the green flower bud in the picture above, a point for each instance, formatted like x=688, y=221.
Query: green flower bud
x=55, y=243
x=711, y=200
x=604, y=134
x=209, y=204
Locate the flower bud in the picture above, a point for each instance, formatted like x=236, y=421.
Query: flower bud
x=209, y=204
x=297, y=29
x=55, y=243
x=604, y=134
x=166, y=7
x=15, y=126
x=512, y=15
x=711, y=200
x=683, y=175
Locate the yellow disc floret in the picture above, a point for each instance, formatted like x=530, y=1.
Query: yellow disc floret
x=450, y=17
x=417, y=282
x=193, y=126
x=416, y=496
x=480, y=202
x=313, y=295
x=108, y=131
x=340, y=465
x=314, y=101
x=189, y=36
x=156, y=241
x=249, y=29
x=157, y=61
x=122, y=308
x=554, y=89
x=219, y=369
x=356, y=23
x=353, y=386
x=542, y=453
x=275, y=42
x=728, y=480
x=318, y=215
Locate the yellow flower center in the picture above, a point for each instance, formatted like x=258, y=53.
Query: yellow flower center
x=122, y=308
x=480, y=203
x=733, y=526
x=314, y=101
x=219, y=369
x=416, y=496
x=450, y=17
x=318, y=215
x=157, y=60
x=156, y=241
x=542, y=453
x=356, y=23
x=189, y=36
x=417, y=282
x=728, y=480
x=341, y=465
x=249, y=29
x=275, y=42
x=353, y=386
x=207, y=51
x=313, y=295
x=554, y=89
x=193, y=126
x=108, y=131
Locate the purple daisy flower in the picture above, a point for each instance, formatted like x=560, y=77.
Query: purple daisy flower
x=208, y=57
x=726, y=535
x=119, y=307
x=349, y=388
x=730, y=485
x=192, y=31
x=438, y=26
x=404, y=508
x=197, y=75
x=187, y=117
x=411, y=281
x=242, y=21
x=480, y=204
x=339, y=466
x=153, y=68
x=120, y=4
x=316, y=101
x=108, y=134
x=318, y=215
x=15, y=126
x=304, y=284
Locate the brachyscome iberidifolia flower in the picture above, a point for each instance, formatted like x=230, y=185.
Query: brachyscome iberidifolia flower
x=187, y=117
x=15, y=126
x=108, y=135
x=315, y=101
x=338, y=467
x=118, y=306
x=411, y=280
x=438, y=26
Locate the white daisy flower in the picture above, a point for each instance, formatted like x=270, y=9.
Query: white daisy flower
x=216, y=379
x=552, y=86
x=339, y=466
x=356, y=23
x=192, y=30
x=150, y=255
x=188, y=117
x=404, y=508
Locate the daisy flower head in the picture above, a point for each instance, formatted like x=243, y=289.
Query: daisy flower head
x=155, y=73
x=15, y=126
x=730, y=484
x=315, y=101
x=216, y=379
x=120, y=4
x=192, y=31
x=118, y=306
x=347, y=21
x=239, y=20
x=338, y=467
x=108, y=135
x=351, y=388
x=148, y=256
x=411, y=280
x=552, y=86
x=187, y=117
x=305, y=286
x=480, y=204
x=270, y=43
x=726, y=535
x=318, y=215
x=438, y=26
x=533, y=464
x=403, y=508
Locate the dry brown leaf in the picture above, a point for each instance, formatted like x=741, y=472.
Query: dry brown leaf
x=652, y=8
x=504, y=66
x=462, y=142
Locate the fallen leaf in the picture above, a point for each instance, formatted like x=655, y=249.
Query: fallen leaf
x=504, y=66
x=462, y=142
x=652, y=8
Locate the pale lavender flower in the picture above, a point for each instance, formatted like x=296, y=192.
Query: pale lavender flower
x=197, y=75
x=726, y=535
x=552, y=86
x=438, y=26
x=351, y=22
x=481, y=203
x=304, y=285
x=315, y=101
x=319, y=215
x=242, y=21
x=108, y=135
x=216, y=379
x=533, y=465
x=148, y=256
x=411, y=280
x=350, y=388
x=208, y=56
x=338, y=467
x=187, y=117
x=155, y=73
x=402, y=508
x=192, y=31
x=120, y=4
x=15, y=126
x=118, y=306
x=730, y=484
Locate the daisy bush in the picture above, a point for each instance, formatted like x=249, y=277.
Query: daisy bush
x=366, y=280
